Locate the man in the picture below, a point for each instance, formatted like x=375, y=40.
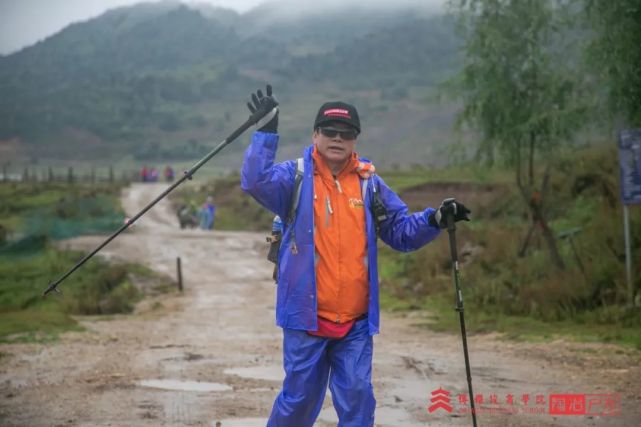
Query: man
x=327, y=292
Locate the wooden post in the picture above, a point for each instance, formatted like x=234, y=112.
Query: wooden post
x=180, y=274
x=628, y=255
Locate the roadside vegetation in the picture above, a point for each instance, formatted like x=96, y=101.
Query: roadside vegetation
x=526, y=296
x=546, y=255
x=33, y=215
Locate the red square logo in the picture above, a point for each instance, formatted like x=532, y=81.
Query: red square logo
x=567, y=404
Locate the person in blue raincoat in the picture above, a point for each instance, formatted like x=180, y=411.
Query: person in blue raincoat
x=207, y=214
x=327, y=288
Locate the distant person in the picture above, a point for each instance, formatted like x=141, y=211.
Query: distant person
x=207, y=214
x=169, y=174
x=327, y=296
x=188, y=215
x=153, y=175
x=144, y=174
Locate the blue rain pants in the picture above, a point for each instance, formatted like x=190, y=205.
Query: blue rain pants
x=310, y=362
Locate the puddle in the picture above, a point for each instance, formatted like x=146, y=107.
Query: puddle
x=240, y=422
x=269, y=373
x=184, y=385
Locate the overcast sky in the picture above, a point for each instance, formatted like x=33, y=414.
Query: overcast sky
x=24, y=22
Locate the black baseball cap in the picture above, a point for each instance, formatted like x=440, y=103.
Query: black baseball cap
x=337, y=111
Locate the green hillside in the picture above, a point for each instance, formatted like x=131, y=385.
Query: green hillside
x=164, y=81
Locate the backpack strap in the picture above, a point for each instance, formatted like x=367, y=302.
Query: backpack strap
x=298, y=181
x=293, y=207
x=364, y=188
x=377, y=207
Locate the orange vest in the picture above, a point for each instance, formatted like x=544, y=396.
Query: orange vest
x=340, y=241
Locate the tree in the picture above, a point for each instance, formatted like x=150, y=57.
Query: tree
x=519, y=94
x=615, y=53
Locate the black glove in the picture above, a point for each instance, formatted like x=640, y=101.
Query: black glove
x=257, y=102
x=438, y=218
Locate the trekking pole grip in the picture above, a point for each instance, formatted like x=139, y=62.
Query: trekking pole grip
x=451, y=230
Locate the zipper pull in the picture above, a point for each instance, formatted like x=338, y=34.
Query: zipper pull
x=328, y=211
x=329, y=205
x=338, y=185
x=294, y=248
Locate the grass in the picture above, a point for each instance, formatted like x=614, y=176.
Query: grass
x=33, y=215
x=403, y=179
x=526, y=297
x=96, y=288
x=443, y=318
x=34, y=325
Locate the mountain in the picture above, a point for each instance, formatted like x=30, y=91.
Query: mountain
x=165, y=80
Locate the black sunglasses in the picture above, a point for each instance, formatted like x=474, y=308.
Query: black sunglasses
x=345, y=134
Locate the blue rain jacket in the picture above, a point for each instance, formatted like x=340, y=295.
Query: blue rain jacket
x=272, y=186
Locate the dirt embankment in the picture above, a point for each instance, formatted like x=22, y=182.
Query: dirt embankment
x=212, y=355
x=432, y=194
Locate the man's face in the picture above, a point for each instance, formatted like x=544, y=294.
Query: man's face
x=335, y=147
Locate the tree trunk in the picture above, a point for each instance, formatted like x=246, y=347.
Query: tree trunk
x=539, y=220
x=551, y=242
x=534, y=200
x=526, y=242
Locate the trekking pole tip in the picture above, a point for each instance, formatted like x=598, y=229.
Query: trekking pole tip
x=52, y=287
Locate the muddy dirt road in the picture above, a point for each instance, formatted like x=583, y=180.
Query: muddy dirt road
x=211, y=356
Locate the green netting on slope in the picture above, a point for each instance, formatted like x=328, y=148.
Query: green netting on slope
x=73, y=216
x=24, y=245
x=76, y=213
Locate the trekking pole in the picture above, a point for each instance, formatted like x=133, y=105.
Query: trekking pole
x=451, y=230
x=259, y=117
